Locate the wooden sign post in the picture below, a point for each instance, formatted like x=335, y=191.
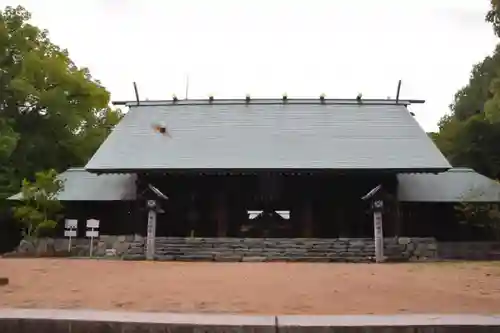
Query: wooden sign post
x=92, y=224
x=151, y=230
x=70, y=232
x=377, y=205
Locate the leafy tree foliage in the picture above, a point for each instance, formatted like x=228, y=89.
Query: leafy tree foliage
x=39, y=207
x=470, y=134
x=485, y=216
x=493, y=16
x=53, y=114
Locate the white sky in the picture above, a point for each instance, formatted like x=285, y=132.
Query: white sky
x=267, y=47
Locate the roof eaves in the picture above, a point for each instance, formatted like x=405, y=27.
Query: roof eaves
x=214, y=171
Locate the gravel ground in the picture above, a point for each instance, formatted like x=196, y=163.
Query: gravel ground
x=263, y=288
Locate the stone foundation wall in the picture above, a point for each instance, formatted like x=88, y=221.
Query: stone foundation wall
x=292, y=249
x=105, y=245
x=469, y=250
x=131, y=247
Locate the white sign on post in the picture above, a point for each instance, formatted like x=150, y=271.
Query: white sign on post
x=70, y=226
x=92, y=224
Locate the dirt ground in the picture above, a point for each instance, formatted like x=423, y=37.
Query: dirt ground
x=266, y=288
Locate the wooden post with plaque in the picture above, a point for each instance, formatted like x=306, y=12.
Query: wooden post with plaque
x=151, y=229
x=377, y=206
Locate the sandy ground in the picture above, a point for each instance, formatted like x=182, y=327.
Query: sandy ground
x=267, y=288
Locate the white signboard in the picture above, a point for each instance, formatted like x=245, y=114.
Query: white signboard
x=92, y=223
x=71, y=224
x=92, y=233
x=70, y=234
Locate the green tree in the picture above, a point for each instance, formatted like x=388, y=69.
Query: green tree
x=39, y=204
x=493, y=16
x=470, y=134
x=470, y=100
x=55, y=114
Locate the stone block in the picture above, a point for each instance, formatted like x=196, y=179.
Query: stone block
x=138, y=238
x=120, y=247
x=135, y=250
x=107, y=240
x=317, y=251
x=228, y=258
x=404, y=240
x=99, y=250
x=356, y=244
x=432, y=246
x=80, y=251
x=134, y=257
x=277, y=258
x=255, y=250
x=311, y=259
x=194, y=257
x=337, y=259
x=253, y=259
x=295, y=251
x=410, y=247
x=164, y=257
x=110, y=253
x=61, y=244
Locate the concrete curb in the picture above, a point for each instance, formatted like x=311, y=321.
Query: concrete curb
x=75, y=321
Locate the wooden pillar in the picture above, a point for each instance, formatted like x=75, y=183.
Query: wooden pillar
x=221, y=215
x=307, y=220
x=397, y=219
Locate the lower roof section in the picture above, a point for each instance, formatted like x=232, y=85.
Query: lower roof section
x=80, y=185
x=454, y=185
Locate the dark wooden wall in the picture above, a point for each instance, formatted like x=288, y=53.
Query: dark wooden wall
x=332, y=202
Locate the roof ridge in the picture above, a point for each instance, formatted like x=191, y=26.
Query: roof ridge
x=284, y=101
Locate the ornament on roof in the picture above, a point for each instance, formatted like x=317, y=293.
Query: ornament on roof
x=359, y=97
x=161, y=128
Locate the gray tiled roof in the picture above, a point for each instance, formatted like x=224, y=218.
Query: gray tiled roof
x=305, y=135
x=454, y=185
x=81, y=185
